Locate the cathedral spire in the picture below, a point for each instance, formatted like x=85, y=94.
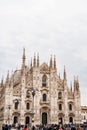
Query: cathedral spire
x=23, y=60
x=71, y=86
x=51, y=62
x=23, y=53
x=64, y=73
x=54, y=62
x=31, y=63
x=34, y=60
x=77, y=84
x=7, y=78
x=28, y=65
x=38, y=60
x=74, y=83
x=2, y=81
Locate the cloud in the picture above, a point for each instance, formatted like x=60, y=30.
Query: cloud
x=48, y=27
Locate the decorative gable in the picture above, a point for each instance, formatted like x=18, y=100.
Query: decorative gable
x=44, y=68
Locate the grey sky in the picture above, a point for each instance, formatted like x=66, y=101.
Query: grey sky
x=49, y=27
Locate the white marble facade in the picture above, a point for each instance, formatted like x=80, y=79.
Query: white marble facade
x=54, y=102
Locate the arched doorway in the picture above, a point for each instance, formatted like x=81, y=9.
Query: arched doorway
x=15, y=120
x=60, y=120
x=27, y=120
x=71, y=120
x=44, y=118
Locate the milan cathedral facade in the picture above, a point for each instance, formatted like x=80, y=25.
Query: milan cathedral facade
x=38, y=94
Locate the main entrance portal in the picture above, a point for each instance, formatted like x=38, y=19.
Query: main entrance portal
x=60, y=120
x=44, y=118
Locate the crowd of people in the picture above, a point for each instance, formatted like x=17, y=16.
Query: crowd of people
x=45, y=127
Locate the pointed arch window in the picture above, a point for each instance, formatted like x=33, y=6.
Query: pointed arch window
x=16, y=105
x=60, y=95
x=27, y=106
x=44, y=97
x=70, y=107
x=60, y=106
x=44, y=78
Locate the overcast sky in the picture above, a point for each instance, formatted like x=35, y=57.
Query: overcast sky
x=49, y=27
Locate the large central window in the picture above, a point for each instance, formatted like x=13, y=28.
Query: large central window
x=44, y=78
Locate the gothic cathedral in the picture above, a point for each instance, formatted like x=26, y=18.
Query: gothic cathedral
x=38, y=94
